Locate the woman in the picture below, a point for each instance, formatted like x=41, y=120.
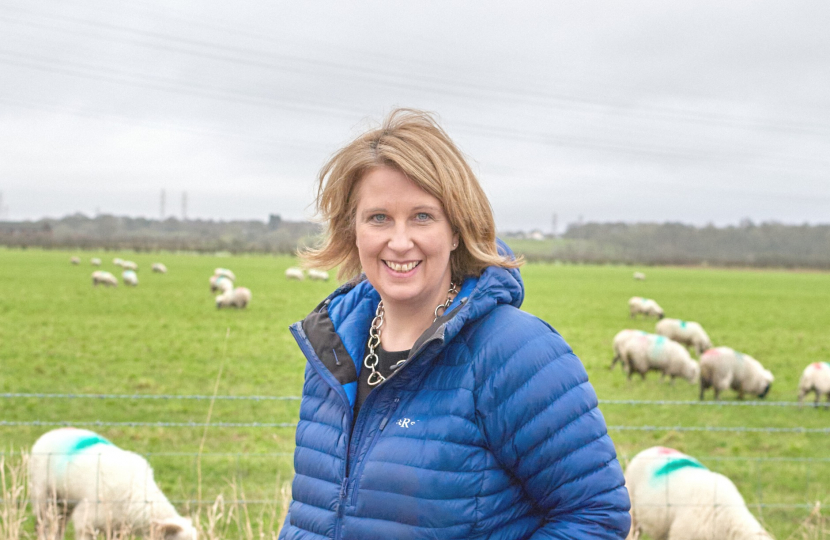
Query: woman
x=432, y=406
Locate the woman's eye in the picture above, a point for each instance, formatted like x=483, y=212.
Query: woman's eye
x=422, y=216
x=378, y=218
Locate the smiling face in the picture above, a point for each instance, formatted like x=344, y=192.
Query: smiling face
x=404, y=241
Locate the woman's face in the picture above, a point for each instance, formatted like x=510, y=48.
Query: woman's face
x=404, y=240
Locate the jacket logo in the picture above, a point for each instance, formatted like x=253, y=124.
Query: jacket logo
x=405, y=422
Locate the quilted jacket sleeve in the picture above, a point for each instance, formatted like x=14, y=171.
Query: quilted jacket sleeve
x=539, y=416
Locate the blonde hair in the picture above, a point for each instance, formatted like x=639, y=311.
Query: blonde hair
x=413, y=143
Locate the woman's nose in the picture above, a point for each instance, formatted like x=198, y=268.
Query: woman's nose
x=401, y=239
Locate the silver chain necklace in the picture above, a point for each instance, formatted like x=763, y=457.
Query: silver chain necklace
x=371, y=360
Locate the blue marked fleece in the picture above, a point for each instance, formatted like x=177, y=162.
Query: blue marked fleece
x=489, y=430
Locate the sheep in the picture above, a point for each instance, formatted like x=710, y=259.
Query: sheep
x=129, y=277
x=118, y=261
x=674, y=497
x=79, y=474
x=619, y=340
x=639, y=276
x=75, y=261
x=95, y=261
x=724, y=368
x=220, y=283
x=129, y=265
x=646, y=306
x=159, y=268
x=816, y=378
x=225, y=272
x=104, y=278
x=295, y=273
x=317, y=275
x=648, y=352
x=688, y=333
x=238, y=298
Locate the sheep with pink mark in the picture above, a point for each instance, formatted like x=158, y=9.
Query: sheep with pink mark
x=649, y=352
x=674, y=497
x=815, y=378
x=723, y=368
x=77, y=474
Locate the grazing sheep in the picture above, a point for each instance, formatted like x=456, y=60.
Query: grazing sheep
x=724, y=368
x=159, y=268
x=295, y=273
x=648, y=352
x=129, y=265
x=317, y=275
x=75, y=472
x=674, y=497
x=688, y=333
x=646, y=306
x=816, y=378
x=104, y=278
x=118, y=261
x=75, y=260
x=225, y=272
x=619, y=340
x=639, y=276
x=129, y=277
x=95, y=261
x=220, y=283
x=238, y=298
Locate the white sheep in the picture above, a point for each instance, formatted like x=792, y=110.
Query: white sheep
x=75, y=260
x=688, y=333
x=619, y=340
x=220, y=283
x=129, y=265
x=816, y=378
x=225, y=272
x=159, y=268
x=650, y=352
x=646, y=306
x=118, y=261
x=95, y=261
x=75, y=472
x=639, y=276
x=238, y=298
x=129, y=277
x=295, y=273
x=104, y=278
x=674, y=497
x=723, y=367
x=316, y=275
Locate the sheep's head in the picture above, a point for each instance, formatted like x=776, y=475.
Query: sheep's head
x=693, y=372
x=175, y=528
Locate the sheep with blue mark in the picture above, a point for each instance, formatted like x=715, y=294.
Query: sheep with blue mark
x=722, y=368
x=619, y=341
x=239, y=298
x=815, y=378
x=650, y=352
x=220, y=283
x=129, y=277
x=674, y=497
x=688, y=333
x=76, y=473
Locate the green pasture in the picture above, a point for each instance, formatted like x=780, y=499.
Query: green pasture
x=59, y=334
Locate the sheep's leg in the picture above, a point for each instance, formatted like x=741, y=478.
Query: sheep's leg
x=818, y=397
x=717, y=393
x=741, y=394
x=82, y=518
x=614, y=361
x=801, y=394
x=827, y=404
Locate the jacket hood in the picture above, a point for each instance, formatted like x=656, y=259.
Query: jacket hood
x=349, y=310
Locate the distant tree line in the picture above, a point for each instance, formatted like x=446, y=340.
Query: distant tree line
x=141, y=234
x=748, y=244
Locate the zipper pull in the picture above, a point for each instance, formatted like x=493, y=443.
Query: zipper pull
x=389, y=414
x=341, y=504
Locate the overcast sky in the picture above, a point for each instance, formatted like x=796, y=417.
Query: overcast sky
x=694, y=110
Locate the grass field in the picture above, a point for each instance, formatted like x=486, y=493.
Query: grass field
x=58, y=334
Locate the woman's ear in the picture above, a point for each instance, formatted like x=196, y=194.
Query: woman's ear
x=454, y=241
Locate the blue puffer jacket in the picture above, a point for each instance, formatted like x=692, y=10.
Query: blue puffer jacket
x=489, y=430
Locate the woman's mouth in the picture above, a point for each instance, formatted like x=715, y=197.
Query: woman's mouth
x=401, y=268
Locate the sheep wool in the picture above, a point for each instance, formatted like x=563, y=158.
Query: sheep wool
x=646, y=306
x=220, y=283
x=225, y=272
x=815, y=378
x=104, y=278
x=129, y=265
x=722, y=368
x=317, y=275
x=688, y=333
x=639, y=276
x=620, y=340
x=104, y=489
x=75, y=260
x=159, y=268
x=239, y=298
x=129, y=277
x=674, y=497
x=95, y=261
x=295, y=273
x=650, y=352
